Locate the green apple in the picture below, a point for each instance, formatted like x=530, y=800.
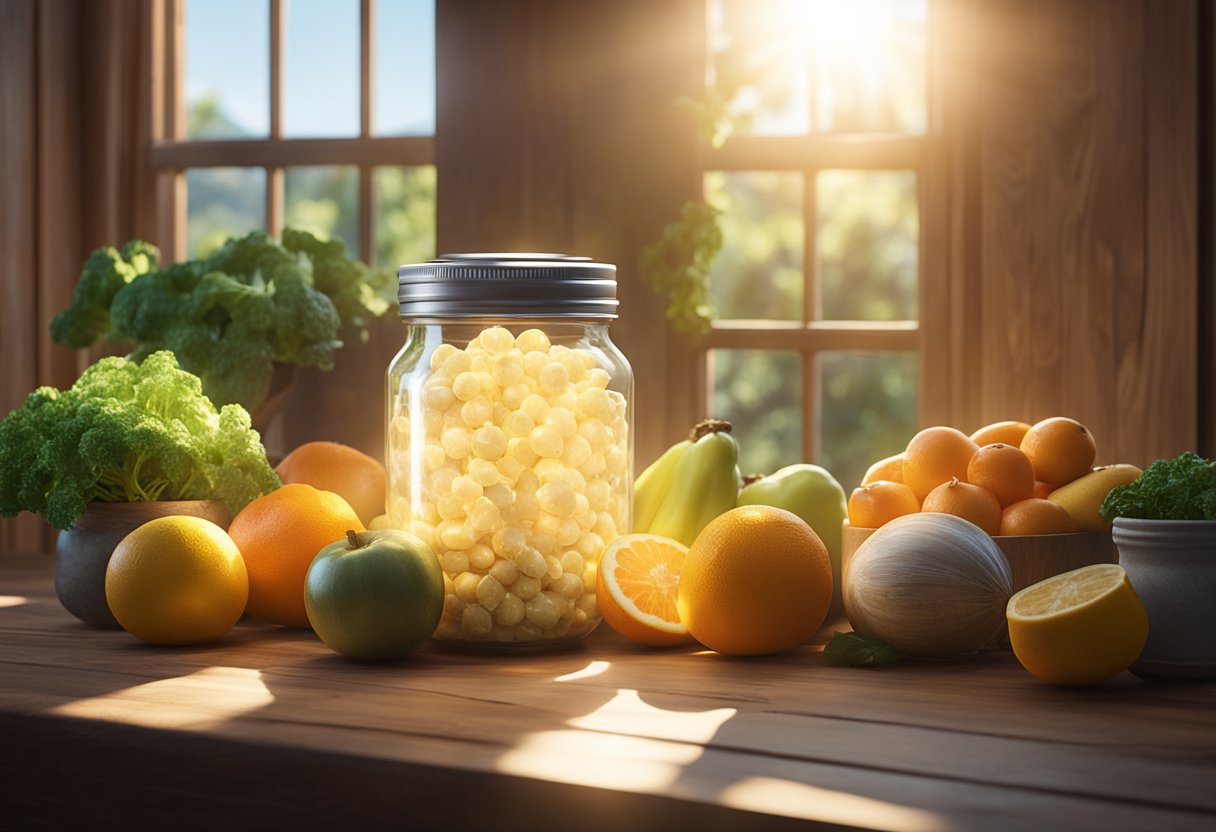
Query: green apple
x=814, y=495
x=375, y=595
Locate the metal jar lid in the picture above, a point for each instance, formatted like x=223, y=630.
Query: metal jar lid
x=516, y=284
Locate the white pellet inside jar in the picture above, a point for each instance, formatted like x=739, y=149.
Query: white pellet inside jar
x=525, y=458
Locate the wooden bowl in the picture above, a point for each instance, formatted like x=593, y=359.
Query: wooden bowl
x=1032, y=558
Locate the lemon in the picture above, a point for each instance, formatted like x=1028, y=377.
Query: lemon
x=1078, y=628
x=177, y=580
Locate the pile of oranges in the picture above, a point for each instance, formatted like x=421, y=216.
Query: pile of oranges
x=998, y=478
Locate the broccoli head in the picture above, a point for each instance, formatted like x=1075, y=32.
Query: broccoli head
x=128, y=432
x=231, y=316
x=107, y=270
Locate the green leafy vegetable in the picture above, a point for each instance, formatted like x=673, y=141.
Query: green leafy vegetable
x=679, y=263
x=855, y=650
x=106, y=271
x=229, y=317
x=128, y=432
x=1183, y=488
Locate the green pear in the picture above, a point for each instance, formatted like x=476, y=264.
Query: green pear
x=813, y=494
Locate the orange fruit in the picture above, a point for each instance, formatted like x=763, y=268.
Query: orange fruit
x=1042, y=490
x=934, y=456
x=330, y=466
x=1036, y=516
x=1003, y=471
x=970, y=502
x=279, y=535
x=1061, y=450
x=756, y=580
x=878, y=503
x=890, y=469
x=635, y=589
x=1010, y=433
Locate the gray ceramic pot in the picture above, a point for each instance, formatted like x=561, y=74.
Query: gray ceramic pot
x=83, y=551
x=1172, y=567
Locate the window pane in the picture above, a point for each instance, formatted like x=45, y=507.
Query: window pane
x=222, y=202
x=867, y=410
x=866, y=245
x=321, y=68
x=759, y=273
x=405, y=68
x=760, y=392
x=861, y=63
x=760, y=63
x=870, y=66
x=227, y=69
x=325, y=201
x=405, y=215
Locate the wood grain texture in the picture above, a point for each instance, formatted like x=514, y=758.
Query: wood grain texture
x=1159, y=383
x=19, y=337
x=608, y=734
x=1073, y=141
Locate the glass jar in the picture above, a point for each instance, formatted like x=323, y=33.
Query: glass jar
x=509, y=443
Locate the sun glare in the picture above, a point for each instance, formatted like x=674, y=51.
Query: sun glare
x=799, y=800
x=197, y=701
x=12, y=600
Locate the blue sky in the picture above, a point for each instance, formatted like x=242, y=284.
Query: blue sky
x=228, y=48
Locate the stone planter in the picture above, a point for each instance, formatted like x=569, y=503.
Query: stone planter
x=83, y=551
x=1172, y=567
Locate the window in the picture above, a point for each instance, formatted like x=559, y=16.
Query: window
x=819, y=186
x=318, y=114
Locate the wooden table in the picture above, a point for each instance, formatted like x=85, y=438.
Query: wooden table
x=269, y=728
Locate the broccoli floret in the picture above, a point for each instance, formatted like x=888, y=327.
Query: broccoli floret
x=230, y=317
x=128, y=432
x=107, y=270
x=359, y=294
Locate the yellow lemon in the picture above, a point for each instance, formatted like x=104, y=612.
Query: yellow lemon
x=1078, y=628
x=177, y=580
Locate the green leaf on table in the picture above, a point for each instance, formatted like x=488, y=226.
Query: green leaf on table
x=856, y=650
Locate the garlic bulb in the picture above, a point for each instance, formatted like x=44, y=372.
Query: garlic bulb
x=929, y=585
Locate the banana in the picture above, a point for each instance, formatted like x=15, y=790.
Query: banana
x=703, y=484
x=652, y=486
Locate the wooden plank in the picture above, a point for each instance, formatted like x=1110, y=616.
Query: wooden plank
x=1156, y=329
x=19, y=229
x=818, y=337
x=378, y=150
x=1207, y=220
x=933, y=183
x=696, y=729
x=861, y=152
x=60, y=252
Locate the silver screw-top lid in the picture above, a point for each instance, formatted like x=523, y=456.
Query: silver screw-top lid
x=511, y=284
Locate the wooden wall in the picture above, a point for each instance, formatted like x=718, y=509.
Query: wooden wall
x=73, y=123
x=1073, y=276
x=1063, y=276
x=575, y=145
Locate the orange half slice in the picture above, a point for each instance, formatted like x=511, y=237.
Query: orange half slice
x=635, y=589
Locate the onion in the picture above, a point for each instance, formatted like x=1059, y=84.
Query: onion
x=928, y=585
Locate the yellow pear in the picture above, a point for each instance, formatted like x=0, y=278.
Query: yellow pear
x=1082, y=497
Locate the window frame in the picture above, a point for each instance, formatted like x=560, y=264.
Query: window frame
x=171, y=152
x=920, y=153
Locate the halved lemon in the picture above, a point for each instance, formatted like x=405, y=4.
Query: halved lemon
x=635, y=589
x=1078, y=628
